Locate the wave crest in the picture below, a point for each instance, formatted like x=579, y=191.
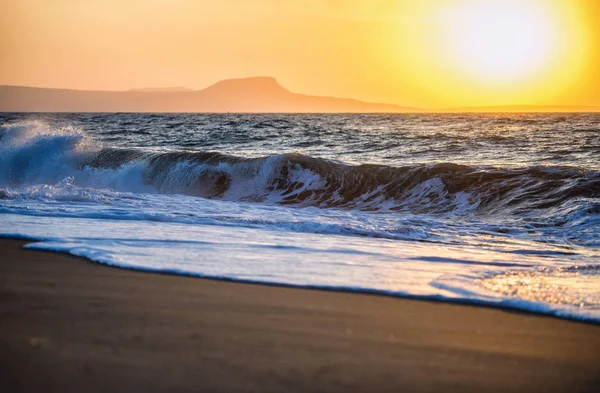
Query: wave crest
x=34, y=154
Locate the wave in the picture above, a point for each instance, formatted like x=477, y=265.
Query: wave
x=32, y=153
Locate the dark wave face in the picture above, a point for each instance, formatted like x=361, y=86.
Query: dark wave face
x=305, y=180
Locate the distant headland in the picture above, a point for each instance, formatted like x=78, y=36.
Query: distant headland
x=256, y=94
x=244, y=95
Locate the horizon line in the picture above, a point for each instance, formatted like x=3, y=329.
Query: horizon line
x=179, y=89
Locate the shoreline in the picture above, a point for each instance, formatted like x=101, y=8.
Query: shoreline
x=338, y=289
x=67, y=325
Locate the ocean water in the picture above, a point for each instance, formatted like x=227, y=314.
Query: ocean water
x=496, y=209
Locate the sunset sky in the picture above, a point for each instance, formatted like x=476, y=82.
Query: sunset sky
x=427, y=53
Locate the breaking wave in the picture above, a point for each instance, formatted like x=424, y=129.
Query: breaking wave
x=32, y=153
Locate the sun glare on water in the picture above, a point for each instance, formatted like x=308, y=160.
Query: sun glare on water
x=502, y=40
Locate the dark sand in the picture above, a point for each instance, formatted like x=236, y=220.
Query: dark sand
x=68, y=325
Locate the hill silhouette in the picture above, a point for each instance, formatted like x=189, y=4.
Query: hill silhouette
x=256, y=94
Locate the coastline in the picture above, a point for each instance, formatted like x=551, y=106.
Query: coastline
x=69, y=324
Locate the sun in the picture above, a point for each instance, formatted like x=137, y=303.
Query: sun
x=501, y=41
x=491, y=52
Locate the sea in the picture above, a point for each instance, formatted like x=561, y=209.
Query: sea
x=500, y=210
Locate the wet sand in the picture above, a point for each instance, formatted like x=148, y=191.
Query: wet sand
x=67, y=325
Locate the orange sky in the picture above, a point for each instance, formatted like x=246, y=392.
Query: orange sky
x=427, y=53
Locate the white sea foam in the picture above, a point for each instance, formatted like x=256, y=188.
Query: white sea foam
x=273, y=244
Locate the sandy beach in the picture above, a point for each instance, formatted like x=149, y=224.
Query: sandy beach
x=67, y=324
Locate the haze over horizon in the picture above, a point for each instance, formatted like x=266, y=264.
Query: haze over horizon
x=260, y=94
x=427, y=54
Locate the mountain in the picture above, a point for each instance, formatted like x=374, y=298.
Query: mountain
x=257, y=94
